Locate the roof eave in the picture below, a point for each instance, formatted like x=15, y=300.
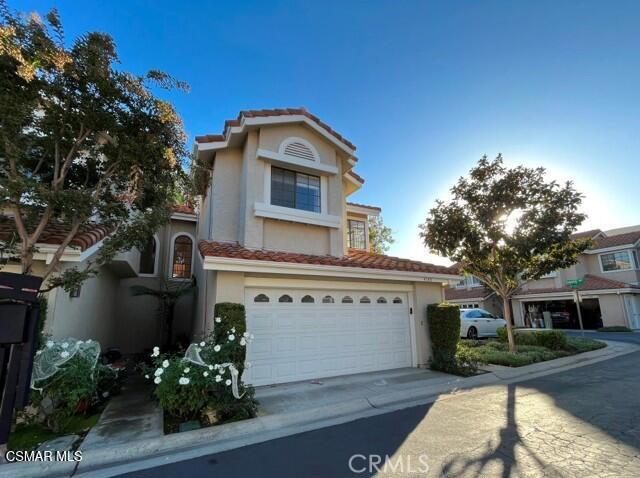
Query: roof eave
x=274, y=267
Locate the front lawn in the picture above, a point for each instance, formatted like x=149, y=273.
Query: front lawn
x=497, y=353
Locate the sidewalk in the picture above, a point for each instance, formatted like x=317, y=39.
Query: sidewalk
x=295, y=408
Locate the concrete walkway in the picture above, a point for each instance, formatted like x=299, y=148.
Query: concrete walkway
x=129, y=417
x=297, y=396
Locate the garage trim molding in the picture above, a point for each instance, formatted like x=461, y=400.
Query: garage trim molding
x=271, y=267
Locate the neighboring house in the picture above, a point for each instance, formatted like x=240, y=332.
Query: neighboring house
x=103, y=308
x=609, y=293
x=470, y=293
x=276, y=232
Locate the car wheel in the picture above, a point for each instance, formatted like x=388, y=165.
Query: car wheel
x=472, y=333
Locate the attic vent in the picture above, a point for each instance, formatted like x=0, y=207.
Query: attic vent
x=299, y=150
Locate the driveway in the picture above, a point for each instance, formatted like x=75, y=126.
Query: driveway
x=629, y=337
x=583, y=422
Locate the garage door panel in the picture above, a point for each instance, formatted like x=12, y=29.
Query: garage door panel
x=300, y=341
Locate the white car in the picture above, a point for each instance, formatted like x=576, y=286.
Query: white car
x=475, y=323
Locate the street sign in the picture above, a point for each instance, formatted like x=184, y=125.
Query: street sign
x=575, y=283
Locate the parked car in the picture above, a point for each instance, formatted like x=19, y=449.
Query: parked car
x=475, y=323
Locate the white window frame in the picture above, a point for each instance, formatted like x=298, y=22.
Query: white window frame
x=323, y=218
x=173, y=243
x=156, y=263
x=631, y=254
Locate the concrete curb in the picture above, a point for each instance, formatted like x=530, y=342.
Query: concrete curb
x=105, y=462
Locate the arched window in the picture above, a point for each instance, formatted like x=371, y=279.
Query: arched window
x=285, y=298
x=261, y=298
x=397, y=300
x=182, y=257
x=307, y=299
x=347, y=300
x=148, y=257
x=365, y=300
x=327, y=299
x=381, y=300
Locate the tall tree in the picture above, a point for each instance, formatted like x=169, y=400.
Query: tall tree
x=507, y=226
x=380, y=236
x=81, y=141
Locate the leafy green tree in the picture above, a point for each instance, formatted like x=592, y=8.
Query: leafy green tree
x=81, y=141
x=380, y=236
x=507, y=226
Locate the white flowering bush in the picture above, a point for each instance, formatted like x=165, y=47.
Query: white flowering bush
x=208, y=376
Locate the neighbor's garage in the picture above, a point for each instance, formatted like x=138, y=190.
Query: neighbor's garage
x=306, y=334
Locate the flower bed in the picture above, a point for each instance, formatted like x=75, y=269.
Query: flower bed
x=204, y=386
x=497, y=353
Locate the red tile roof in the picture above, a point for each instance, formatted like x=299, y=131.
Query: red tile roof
x=585, y=234
x=354, y=258
x=617, y=240
x=184, y=209
x=209, y=138
x=472, y=293
x=56, y=232
x=363, y=205
x=591, y=283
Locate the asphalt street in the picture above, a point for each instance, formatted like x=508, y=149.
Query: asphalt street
x=583, y=422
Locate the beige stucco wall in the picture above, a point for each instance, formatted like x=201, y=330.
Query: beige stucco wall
x=272, y=136
x=593, y=264
x=425, y=293
x=89, y=316
x=224, y=201
x=302, y=238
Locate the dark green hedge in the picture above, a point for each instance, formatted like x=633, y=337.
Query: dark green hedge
x=232, y=316
x=444, y=329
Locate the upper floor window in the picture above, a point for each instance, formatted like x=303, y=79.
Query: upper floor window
x=295, y=190
x=148, y=257
x=619, y=261
x=469, y=281
x=356, y=237
x=182, y=257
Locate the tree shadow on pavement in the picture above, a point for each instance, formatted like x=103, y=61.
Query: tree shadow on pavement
x=493, y=454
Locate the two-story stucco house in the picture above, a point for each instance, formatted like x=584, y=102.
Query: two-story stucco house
x=609, y=291
x=277, y=233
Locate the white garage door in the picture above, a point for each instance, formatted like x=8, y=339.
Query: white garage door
x=305, y=334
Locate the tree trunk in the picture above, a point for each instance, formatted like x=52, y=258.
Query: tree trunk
x=507, y=317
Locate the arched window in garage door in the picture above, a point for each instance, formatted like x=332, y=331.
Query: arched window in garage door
x=261, y=298
x=285, y=298
x=307, y=299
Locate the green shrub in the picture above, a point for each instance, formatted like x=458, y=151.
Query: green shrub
x=444, y=330
x=615, y=328
x=189, y=390
x=74, y=390
x=551, y=339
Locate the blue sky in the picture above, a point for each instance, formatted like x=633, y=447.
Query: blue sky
x=422, y=88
